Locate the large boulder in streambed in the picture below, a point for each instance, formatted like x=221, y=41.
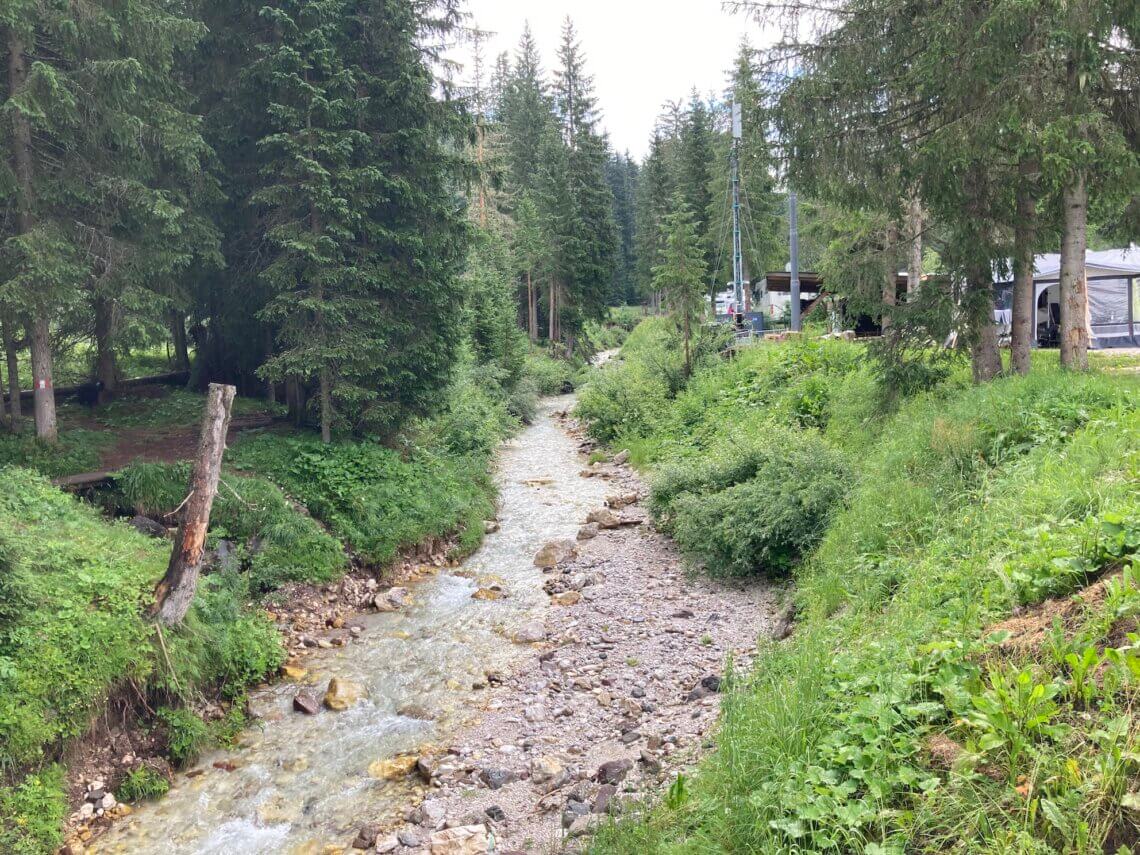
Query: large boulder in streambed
x=555, y=552
x=342, y=694
x=460, y=840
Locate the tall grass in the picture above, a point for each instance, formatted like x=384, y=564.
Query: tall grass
x=963, y=503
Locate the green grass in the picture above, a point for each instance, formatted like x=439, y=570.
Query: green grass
x=77, y=451
x=74, y=590
x=962, y=503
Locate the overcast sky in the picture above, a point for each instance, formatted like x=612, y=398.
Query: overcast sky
x=641, y=53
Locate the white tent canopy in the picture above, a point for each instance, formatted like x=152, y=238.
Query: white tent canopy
x=1113, y=277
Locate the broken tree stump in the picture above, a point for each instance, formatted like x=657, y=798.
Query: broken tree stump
x=175, y=592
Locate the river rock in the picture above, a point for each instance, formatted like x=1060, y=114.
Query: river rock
x=393, y=768
x=342, y=694
x=431, y=814
x=461, y=840
x=492, y=593
x=545, y=769
x=622, y=457
x=613, y=772
x=386, y=844
x=410, y=837
x=622, y=500
x=555, y=552
x=588, y=532
x=566, y=598
x=602, y=800
x=529, y=633
x=490, y=526
x=366, y=837
x=305, y=703
x=294, y=672
x=147, y=526
x=604, y=517
x=496, y=779
x=392, y=599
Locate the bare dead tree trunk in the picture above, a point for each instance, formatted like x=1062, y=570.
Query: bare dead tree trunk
x=532, y=308
x=1074, y=287
x=12, y=358
x=1024, y=240
x=175, y=592
x=106, y=366
x=914, y=220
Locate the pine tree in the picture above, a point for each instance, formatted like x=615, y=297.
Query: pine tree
x=622, y=177
x=97, y=145
x=526, y=115
x=681, y=273
x=588, y=237
x=695, y=173
x=654, y=195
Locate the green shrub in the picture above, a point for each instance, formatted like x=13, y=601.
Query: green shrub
x=32, y=813
x=765, y=524
x=374, y=498
x=186, y=735
x=550, y=376
x=141, y=785
x=290, y=545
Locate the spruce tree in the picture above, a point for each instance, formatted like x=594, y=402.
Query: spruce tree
x=681, y=274
x=588, y=239
x=98, y=146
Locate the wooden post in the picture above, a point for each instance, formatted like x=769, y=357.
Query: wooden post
x=173, y=595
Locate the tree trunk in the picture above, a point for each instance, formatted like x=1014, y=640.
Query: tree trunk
x=22, y=163
x=914, y=238
x=532, y=308
x=12, y=357
x=178, y=335
x=295, y=399
x=106, y=366
x=1074, y=287
x=326, y=407
x=982, y=331
x=553, y=335
x=175, y=592
x=890, y=277
x=688, y=352
x=42, y=383
x=1024, y=242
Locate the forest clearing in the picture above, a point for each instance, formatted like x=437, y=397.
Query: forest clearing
x=456, y=427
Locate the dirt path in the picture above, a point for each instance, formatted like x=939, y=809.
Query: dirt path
x=619, y=695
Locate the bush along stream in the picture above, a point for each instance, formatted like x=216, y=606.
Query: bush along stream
x=96, y=709
x=959, y=669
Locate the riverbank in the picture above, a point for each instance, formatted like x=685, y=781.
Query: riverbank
x=961, y=670
x=86, y=684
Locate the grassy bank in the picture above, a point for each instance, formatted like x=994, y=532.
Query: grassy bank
x=902, y=715
x=75, y=583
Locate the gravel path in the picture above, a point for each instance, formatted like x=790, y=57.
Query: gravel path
x=619, y=694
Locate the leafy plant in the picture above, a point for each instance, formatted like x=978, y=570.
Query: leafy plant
x=142, y=784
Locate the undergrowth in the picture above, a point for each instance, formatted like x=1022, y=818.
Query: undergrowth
x=900, y=716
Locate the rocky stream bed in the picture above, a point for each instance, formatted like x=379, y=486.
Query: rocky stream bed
x=500, y=705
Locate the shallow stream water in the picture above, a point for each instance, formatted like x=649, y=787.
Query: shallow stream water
x=299, y=783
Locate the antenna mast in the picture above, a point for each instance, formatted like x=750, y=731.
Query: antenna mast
x=737, y=254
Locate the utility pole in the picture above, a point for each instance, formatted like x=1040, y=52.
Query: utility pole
x=737, y=253
x=794, y=239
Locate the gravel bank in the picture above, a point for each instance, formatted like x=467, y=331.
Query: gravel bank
x=619, y=694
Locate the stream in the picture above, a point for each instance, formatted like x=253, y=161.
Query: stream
x=300, y=783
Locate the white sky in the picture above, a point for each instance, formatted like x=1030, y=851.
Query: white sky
x=641, y=53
